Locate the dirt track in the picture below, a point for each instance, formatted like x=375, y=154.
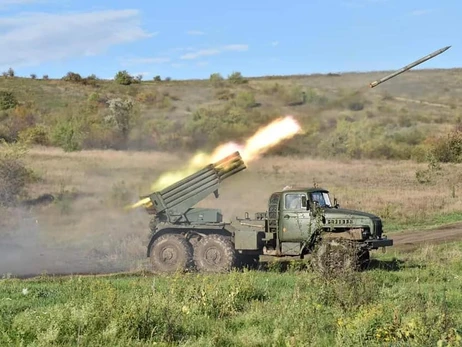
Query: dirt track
x=403, y=241
x=411, y=240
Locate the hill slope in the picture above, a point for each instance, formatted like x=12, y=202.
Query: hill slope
x=341, y=116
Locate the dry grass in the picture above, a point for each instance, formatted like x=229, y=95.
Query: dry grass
x=389, y=189
x=368, y=185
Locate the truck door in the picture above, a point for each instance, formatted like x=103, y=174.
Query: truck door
x=295, y=218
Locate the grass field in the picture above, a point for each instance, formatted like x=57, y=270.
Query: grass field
x=376, y=150
x=404, y=299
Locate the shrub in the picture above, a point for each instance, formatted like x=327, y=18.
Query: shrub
x=72, y=77
x=216, y=79
x=449, y=148
x=224, y=94
x=245, y=100
x=122, y=115
x=14, y=175
x=237, y=78
x=7, y=100
x=67, y=134
x=37, y=135
x=123, y=78
x=157, y=78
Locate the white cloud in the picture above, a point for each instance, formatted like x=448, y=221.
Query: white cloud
x=195, y=32
x=214, y=51
x=4, y=3
x=275, y=43
x=35, y=38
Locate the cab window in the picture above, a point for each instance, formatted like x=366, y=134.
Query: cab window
x=295, y=201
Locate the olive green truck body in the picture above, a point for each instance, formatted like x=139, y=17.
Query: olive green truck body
x=295, y=223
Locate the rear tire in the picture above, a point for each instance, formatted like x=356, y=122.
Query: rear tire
x=214, y=253
x=171, y=253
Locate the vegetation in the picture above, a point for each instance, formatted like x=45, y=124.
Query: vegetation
x=411, y=300
x=415, y=116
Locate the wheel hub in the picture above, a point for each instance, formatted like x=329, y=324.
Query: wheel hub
x=168, y=255
x=212, y=256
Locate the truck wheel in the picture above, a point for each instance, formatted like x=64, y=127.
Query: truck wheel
x=333, y=256
x=171, y=253
x=214, y=253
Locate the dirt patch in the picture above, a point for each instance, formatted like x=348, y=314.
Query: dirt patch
x=411, y=240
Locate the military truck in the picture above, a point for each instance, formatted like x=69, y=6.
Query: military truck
x=297, y=222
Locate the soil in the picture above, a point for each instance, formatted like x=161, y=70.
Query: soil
x=411, y=240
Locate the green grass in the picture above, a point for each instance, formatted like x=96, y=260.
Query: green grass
x=405, y=299
x=428, y=222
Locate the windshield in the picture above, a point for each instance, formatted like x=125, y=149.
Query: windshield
x=321, y=198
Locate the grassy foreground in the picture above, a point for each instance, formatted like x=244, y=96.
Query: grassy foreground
x=405, y=299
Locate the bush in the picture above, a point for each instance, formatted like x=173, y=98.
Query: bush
x=224, y=94
x=244, y=100
x=122, y=115
x=123, y=78
x=237, y=78
x=7, y=100
x=449, y=148
x=216, y=79
x=67, y=134
x=37, y=135
x=72, y=77
x=14, y=175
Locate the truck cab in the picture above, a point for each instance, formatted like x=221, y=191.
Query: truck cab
x=300, y=218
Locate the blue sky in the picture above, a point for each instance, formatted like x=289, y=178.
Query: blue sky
x=191, y=39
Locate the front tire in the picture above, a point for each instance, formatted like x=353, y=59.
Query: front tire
x=336, y=256
x=214, y=253
x=171, y=253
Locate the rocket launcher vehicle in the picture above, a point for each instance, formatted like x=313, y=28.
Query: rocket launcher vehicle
x=174, y=204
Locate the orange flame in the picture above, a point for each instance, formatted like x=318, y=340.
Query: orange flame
x=264, y=139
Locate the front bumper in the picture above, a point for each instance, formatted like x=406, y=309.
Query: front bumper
x=375, y=244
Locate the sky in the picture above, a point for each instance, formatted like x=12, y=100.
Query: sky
x=186, y=39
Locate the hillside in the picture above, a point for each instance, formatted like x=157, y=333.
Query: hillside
x=340, y=115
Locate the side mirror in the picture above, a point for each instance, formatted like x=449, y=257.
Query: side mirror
x=336, y=204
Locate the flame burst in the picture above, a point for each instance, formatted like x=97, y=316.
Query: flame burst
x=265, y=138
